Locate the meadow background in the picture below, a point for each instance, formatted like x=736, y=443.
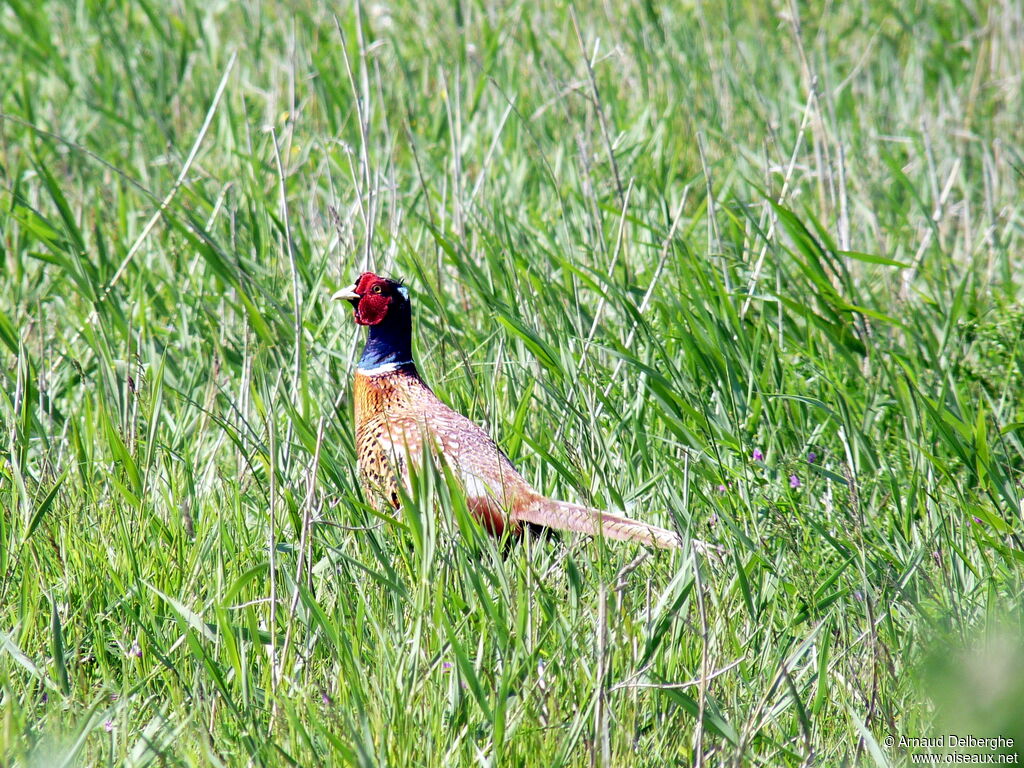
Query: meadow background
x=750, y=269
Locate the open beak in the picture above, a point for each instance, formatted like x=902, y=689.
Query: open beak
x=346, y=294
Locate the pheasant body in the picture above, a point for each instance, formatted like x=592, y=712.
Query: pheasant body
x=396, y=412
x=399, y=419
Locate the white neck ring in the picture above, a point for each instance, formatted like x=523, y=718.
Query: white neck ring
x=383, y=368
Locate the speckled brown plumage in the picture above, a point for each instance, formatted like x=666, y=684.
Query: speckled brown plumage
x=395, y=412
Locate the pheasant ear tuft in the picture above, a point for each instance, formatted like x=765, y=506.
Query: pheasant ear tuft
x=404, y=291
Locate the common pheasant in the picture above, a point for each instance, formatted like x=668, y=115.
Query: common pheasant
x=396, y=411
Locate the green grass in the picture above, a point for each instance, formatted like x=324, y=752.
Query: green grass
x=643, y=241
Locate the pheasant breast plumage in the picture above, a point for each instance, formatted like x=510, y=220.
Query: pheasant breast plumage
x=399, y=420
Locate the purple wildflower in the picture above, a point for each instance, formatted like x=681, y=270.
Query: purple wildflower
x=858, y=596
x=446, y=666
x=977, y=520
x=757, y=455
x=325, y=699
x=135, y=650
x=812, y=457
x=722, y=488
x=108, y=726
x=794, y=481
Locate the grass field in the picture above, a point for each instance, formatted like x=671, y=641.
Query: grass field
x=748, y=269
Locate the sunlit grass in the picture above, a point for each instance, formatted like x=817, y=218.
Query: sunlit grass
x=746, y=274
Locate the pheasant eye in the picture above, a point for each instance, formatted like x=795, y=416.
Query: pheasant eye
x=376, y=289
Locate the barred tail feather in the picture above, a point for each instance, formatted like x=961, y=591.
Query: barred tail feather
x=564, y=516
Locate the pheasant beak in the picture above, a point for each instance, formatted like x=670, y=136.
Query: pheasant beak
x=346, y=294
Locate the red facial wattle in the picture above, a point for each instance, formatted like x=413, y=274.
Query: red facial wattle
x=372, y=308
x=371, y=298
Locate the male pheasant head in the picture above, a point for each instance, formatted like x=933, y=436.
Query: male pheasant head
x=375, y=299
x=383, y=305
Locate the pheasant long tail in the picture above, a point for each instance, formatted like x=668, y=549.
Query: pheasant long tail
x=564, y=516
